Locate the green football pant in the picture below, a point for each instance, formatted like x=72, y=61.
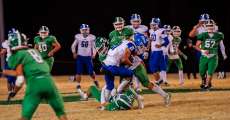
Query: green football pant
x=178, y=63
x=141, y=74
x=42, y=88
x=97, y=94
x=50, y=62
x=207, y=65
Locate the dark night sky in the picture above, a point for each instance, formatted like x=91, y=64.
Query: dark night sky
x=63, y=17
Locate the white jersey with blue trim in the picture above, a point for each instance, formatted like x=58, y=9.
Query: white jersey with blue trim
x=165, y=49
x=6, y=45
x=156, y=38
x=115, y=55
x=141, y=29
x=85, y=46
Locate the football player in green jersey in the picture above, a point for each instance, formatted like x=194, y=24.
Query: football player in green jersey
x=174, y=52
x=47, y=45
x=29, y=67
x=208, y=43
x=118, y=101
x=120, y=30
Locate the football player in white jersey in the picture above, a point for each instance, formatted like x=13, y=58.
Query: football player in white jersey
x=83, y=49
x=136, y=25
x=199, y=28
x=119, y=52
x=157, y=59
x=168, y=33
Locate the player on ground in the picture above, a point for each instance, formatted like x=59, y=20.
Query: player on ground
x=47, y=45
x=174, y=53
x=83, y=49
x=157, y=61
x=208, y=43
x=118, y=101
x=28, y=63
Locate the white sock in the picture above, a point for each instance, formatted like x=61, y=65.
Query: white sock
x=137, y=82
x=159, y=90
x=122, y=85
x=105, y=94
x=80, y=92
x=181, y=77
x=163, y=76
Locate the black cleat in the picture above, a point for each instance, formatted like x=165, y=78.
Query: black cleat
x=159, y=82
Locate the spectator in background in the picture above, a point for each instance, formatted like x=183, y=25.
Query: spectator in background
x=191, y=62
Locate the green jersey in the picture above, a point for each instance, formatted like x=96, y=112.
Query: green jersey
x=118, y=34
x=33, y=64
x=210, y=43
x=173, y=48
x=44, y=45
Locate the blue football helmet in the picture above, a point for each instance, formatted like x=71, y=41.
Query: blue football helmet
x=84, y=26
x=135, y=17
x=204, y=17
x=140, y=39
x=155, y=21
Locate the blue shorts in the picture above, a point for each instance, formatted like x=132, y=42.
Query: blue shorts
x=166, y=57
x=112, y=71
x=157, y=62
x=84, y=62
x=10, y=79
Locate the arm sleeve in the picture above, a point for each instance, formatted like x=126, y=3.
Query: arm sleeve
x=74, y=45
x=200, y=37
x=222, y=48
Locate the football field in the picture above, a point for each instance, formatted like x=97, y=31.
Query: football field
x=188, y=102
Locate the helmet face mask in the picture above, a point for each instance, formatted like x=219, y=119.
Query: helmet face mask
x=154, y=26
x=168, y=29
x=43, y=34
x=85, y=32
x=118, y=26
x=136, y=23
x=176, y=31
x=210, y=26
x=119, y=23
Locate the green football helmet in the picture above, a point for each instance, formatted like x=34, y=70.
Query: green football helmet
x=119, y=23
x=101, y=42
x=128, y=33
x=17, y=40
x=123, y=102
